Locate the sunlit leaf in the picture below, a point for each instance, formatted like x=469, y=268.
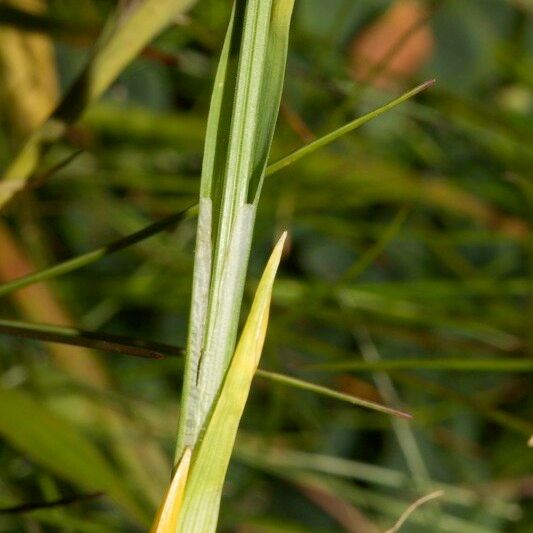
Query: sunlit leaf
x=167, y=517
x=212, y=455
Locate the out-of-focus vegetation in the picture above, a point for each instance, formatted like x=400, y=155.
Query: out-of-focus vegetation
x=405, y=279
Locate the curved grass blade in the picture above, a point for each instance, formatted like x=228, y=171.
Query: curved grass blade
x=212, y=455
x=330, y=393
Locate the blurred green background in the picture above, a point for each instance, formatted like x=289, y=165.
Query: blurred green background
x=409, y=245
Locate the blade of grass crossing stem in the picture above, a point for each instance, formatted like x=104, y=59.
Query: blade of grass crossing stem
x=85, y=259
x=167, y=517
x=121, y=41
x=156, y=350
x=211, y=458
x=244, y=107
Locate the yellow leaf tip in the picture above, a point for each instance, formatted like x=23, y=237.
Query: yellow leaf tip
x=167, y=517
x=282, y=239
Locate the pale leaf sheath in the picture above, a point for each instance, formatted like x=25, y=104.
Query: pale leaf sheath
x=197, y=323
x=222, y=330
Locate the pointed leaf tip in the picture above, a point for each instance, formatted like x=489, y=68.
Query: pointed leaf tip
x=212, y=454
x=166, y=520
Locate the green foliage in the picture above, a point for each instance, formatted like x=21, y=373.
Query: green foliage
x=405, y=280
x=61, y=448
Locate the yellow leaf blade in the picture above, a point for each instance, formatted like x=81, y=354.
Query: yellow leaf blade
x=201, y=502
x=167, y=516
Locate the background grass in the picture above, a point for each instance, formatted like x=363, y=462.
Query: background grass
x=409, y=240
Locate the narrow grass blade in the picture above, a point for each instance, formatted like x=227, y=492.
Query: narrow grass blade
x=89, y=339
x=57, y=446
x=220, y=110
x=166, y=519
x=212, y=455
x=351, y=126
x=90, y=257
x=325, y=391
